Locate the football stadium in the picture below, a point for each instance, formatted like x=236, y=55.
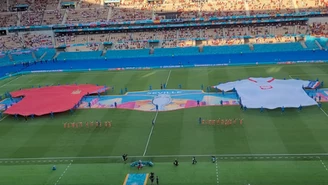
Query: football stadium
x=169, y=92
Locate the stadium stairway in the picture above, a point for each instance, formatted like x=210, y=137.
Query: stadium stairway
x=34, y=57
x=318, y=44
x=10, y=57
x=311, y=45
x=251, y=46
x=303, y=44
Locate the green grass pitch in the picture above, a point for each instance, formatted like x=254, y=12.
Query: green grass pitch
x=247, y=155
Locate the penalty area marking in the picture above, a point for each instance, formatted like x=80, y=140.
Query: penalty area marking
x=168, y=77
x=290, y=76
x=61, y=176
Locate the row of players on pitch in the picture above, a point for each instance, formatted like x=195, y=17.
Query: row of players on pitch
x=220, y=121
x=175, y=162
x=97, y=124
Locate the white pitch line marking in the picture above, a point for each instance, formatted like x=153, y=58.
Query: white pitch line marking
x=150, y=134
x=63, y=173
x=168, y=77
x=217, y=171
x=4, y=117
x=10, y=81
x=323, y=164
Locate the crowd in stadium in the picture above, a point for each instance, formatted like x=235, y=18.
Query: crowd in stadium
x=48, y=12
x=181, y=37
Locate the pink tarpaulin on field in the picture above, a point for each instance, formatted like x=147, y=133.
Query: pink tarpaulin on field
x=44, y=100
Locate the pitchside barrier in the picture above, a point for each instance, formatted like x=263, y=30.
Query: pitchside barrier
x=160, y=67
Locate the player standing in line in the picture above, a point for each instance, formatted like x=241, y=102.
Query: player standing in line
x=213, y=159
x=157, y=180
x=241, y=121
x=87, y=124
x=194, y=161
x=152, y=178
x=139, y=165
x=81, y=125
x=176, y=162
x=125, y=157
x=65, y=125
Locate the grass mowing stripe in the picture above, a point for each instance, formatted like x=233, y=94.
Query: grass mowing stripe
x=150, y=134
x=168, y=78
x=154, y=120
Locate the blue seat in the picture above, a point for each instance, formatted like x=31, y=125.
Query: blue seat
x=127, y=53
x=5, y=60
x=176, y=51
x=19, y=58
x=226, y=49
x=278, y=47
x=79, y=55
